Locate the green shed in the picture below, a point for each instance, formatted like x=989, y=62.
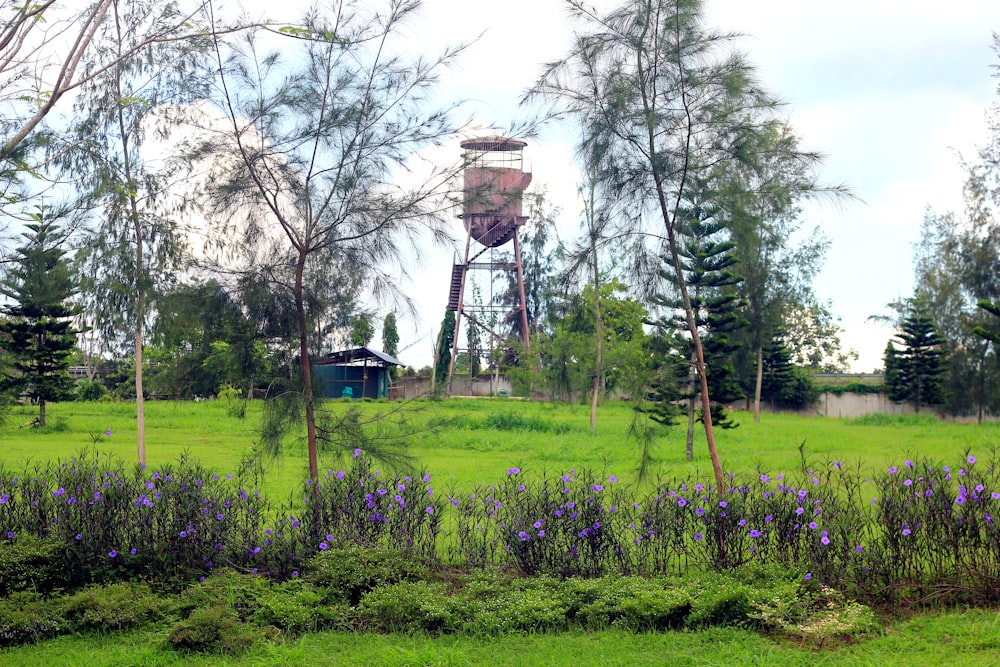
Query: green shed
x=357, y=373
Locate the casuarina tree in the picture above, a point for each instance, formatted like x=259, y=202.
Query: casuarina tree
x=660, y=103
x=320, y=121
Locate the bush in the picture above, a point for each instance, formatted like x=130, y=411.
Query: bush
x=293, y=607
x=32, y=563
x=214, y=629
x=90, y=390
x=630, y=602
x=26, y=617
x=348, y=574
x=111, y=607
x=408, y=606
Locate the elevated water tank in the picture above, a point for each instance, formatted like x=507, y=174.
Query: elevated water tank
x=493, y=184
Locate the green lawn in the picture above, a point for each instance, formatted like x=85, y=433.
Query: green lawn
x=960, y=638
x=462, y=455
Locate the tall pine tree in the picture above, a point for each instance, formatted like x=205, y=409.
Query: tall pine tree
x=917, y=370
x=38, y=333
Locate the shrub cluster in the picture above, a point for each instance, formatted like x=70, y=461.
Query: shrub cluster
x=913, y=531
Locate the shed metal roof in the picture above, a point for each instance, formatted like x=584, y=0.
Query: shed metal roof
x=358, y=355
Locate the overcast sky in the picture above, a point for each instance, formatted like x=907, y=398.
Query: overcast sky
x=890, y=92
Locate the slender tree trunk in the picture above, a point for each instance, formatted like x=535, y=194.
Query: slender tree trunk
x=598, y=323
x=690, y=430
x=758, y=383
x=599, y=328
x=41, y=413
x=140, y=278
x=670, y=213
x=307, y=391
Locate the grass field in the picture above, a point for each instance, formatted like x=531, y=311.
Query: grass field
x=960, y=639
x=533, y=436
x=481, y=440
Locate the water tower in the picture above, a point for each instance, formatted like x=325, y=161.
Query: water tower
x=493, y=182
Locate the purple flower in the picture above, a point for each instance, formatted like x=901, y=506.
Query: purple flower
x=906, y=531
x=908, y=463
x=513, y=471
x=524, y=536
x=812, y=525
x=681, y=502
x=825, y=539
x=765, y=478
x=427, y=477
x=567, y=478
x=697, y=537
x=323, y=546
x=112, y=553
x=10, y=534
x=754, y=533
x=612, y=479
x=219, y=517
x=960, y=500
x=357, y=452
x=699, y=487
x=723, y=503
x=132, y=551
x=107, y=434
x=908, y=482
x=768, y=518
x=598, y=488
x=858, y=549
x=429, y=509
x=800, y=510
x=541, y=533
x=59, y=491
x=808, y=576
x=183, y=533
x=340, y=474
x=836, y=464
x=971, y=459
x=295, y=573
x=537, y=524
x=79, y=536
x=892, y=470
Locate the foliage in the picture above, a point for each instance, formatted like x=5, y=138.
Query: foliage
x=305, y=175
x=915, y=373
x=38, y=334
x=362, y=330
x=27, y=617
x=213, y=629
x=568, y=356
x=31, y=563
x=348, y=573
x=90, y=390
x=390, y=341
x=112, y=607
x=442, y=360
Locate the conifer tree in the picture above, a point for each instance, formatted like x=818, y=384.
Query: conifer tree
x=38, y=333
x=920, y=365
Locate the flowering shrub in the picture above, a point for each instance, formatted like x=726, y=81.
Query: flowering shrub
x=912, y=530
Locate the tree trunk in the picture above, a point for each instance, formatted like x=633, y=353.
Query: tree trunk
x=758, y=383
x=307, y=392
x=690, y=430
x=41, y=413
x=140, y=300
x=597, y=361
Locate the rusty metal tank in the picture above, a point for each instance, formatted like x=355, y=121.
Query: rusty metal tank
x=494, y=182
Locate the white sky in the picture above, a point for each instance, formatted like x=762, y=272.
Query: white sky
x=889, y=91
